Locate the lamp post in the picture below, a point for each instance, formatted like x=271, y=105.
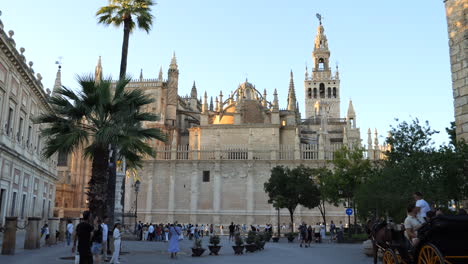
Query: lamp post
x=137, y=189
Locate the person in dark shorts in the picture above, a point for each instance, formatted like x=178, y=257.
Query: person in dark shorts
x=232, y=228
x=83, y=234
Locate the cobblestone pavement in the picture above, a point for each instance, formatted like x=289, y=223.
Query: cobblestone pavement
x=136, y=252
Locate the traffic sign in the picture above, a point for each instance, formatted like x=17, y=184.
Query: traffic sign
x=349, y=211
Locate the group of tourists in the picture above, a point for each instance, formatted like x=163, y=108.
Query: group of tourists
x=317, y=232
x=90, y=241
x=418, y=213
x=153, y=232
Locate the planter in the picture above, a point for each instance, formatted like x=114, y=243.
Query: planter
x=291, y=239
x=214, y=250
x=275, y=239
x=238, y=250
x=251, y=248
x=197, y=252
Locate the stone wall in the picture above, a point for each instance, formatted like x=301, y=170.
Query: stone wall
x=176, y=191
x=457, y=14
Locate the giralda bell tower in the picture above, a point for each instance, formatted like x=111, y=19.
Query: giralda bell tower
x=322, y=88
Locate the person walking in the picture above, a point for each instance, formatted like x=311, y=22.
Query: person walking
x=116, y=235
x=175, y=232
x=322, y=232
x=105, y=235
x=45, y=232
x=151, y=232
x=309, y=235
x=83, y=237
x=69, y=232
x=166, y=233
x=303, y=234
x=97, y=240
x=221, y=229
x=231, y=231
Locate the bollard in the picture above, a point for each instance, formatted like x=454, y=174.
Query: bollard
x=53, y=224
x=62, y=229
x=9, y=238
x=33, y=233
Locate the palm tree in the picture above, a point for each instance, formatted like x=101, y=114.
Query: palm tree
x=94, y=118
x=130, y=13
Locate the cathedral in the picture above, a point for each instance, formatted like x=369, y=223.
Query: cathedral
x=220, y=149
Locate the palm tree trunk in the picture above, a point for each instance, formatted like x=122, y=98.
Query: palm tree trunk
x=126, y=38
x=97, y=191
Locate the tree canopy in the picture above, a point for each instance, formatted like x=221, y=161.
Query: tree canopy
x=288, y=188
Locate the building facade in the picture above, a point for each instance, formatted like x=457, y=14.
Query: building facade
x=457, y=21
x=27, y=180
x=220, y=152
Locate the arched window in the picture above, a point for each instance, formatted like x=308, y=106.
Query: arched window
x=309, y=93
x=321, y=64
x=329, y=92
x=315, y=92
x=334, y=92
x=322, y=90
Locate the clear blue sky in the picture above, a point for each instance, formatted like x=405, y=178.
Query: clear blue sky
x=393, y=55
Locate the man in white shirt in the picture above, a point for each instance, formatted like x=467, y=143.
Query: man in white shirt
x=69, y=232
x=105, y=235
x=151, y=232
x=422, y=206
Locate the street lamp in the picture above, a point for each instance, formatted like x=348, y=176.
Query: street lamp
x=137, y=189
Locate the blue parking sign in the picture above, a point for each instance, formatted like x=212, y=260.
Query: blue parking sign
x=349, y=211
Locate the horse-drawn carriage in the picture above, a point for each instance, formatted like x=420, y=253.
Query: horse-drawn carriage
x=443, y=240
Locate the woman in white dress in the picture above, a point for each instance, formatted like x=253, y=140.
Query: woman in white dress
x=116, y=235
x=221, y=229
x=322, y=231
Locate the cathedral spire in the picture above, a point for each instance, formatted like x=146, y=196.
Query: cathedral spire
x=205, y=104
x=275, y=101
x=98, y=71
x=291, y=94
x=369, y=139
x=160, y=77
x=264, y=100
x=193, y=93
x=58, y=81
x=141, y=75
x=306, y=73
x=211, y=103
x=351, y=112
x=337, y=73
x=376, y=139
x=173, y=61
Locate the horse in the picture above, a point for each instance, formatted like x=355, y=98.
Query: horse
x=386, y=235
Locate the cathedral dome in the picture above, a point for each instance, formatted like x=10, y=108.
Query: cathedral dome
x=248, y=91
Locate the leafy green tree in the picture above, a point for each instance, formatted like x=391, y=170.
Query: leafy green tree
x=130, y=14
x=328, y=187
x=92, y=119
x=350, y=170
x=288, y=188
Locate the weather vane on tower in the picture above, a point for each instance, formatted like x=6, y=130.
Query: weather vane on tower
x=319, y=18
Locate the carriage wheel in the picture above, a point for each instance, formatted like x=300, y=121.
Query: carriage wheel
x=389, y=257
x=429, y=254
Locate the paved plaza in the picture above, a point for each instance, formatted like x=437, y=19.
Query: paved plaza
x=136, y=252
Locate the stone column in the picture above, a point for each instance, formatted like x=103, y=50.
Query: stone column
x=9, y=237
x=194, y=193
x=33, y=233
x=217, y=193
x=53, y=226
x=171, y=200
x=149, y=193
x=250, y=219
x=62, y=229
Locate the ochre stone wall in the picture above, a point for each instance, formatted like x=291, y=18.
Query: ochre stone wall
x=457, y=16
